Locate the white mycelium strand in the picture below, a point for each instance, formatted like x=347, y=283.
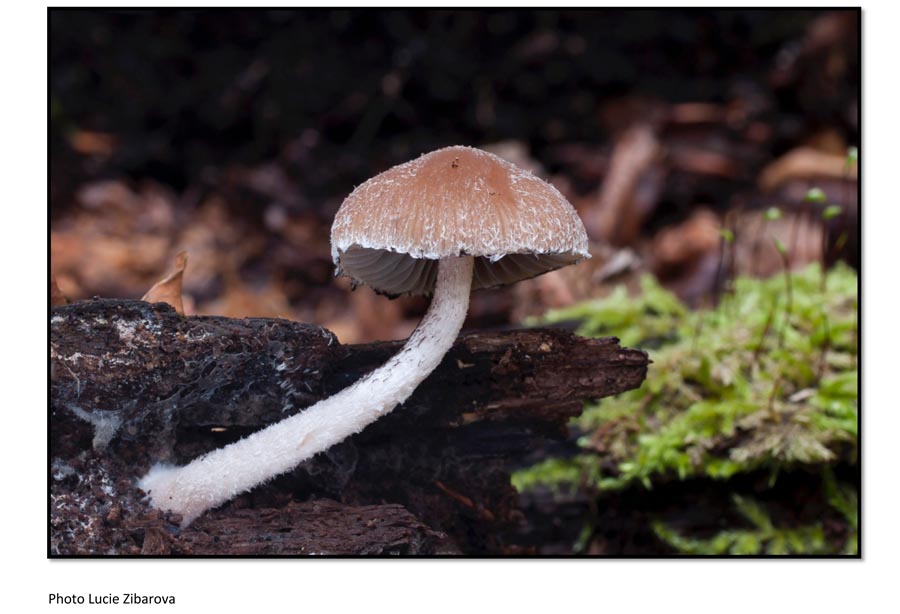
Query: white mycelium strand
x=222, y=474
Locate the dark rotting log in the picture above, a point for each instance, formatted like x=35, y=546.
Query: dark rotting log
x=133, y=384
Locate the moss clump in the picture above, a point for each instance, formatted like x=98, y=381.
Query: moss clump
x=762, y=538
x=766, y=381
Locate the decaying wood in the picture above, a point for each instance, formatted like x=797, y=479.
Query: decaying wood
x=95, y=510
x=321, y=527
x=133, y=384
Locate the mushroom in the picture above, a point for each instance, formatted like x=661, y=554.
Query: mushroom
x=451, y=221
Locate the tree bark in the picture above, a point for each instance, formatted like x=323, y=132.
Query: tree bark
x=133, y=384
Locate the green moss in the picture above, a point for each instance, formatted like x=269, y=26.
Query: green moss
x=762, y=538
x=765, y=381
x=844, y=499
x=555, y=473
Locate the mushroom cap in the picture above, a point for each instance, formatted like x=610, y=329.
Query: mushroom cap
x=392, y=229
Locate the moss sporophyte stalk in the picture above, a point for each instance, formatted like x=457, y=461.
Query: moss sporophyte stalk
x=764, y=385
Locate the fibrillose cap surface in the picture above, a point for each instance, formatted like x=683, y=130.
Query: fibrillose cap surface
x=390, y=232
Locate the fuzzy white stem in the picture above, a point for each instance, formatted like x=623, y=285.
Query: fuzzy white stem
x=222, y=474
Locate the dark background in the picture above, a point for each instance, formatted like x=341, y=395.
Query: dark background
x=256, y=124
x=335, y=96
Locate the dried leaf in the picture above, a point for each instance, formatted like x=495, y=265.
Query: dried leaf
x=630, y=191
x=680, y=245
x=168, y=290
x=92, y=143
x=805, y=163
x=56, y=295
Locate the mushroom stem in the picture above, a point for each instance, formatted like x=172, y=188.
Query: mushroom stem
x=222, y=474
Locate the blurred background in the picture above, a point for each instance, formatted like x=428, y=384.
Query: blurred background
x=236, y=135
x=698, y=146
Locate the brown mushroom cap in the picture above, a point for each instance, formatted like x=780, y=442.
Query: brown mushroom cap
x=390, y=232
